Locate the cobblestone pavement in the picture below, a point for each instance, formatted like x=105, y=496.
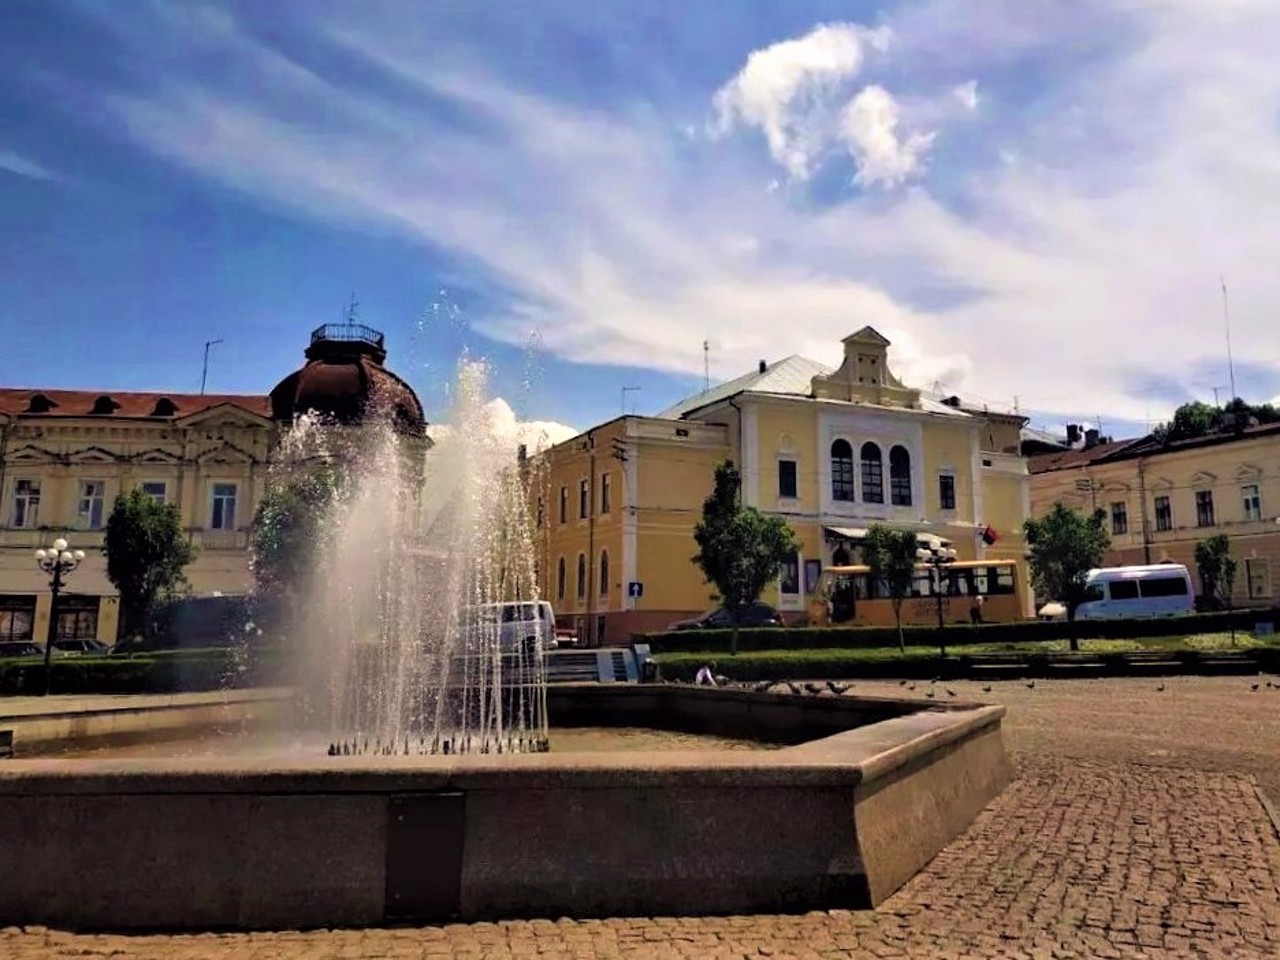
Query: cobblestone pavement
x=1081, y=857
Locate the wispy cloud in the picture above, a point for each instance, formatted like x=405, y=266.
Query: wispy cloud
x=1142, y=174
x=24, y=167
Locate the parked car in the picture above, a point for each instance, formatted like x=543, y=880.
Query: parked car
x=80, y=648
x=757, y=615
x=520, y=624
x=19, y=648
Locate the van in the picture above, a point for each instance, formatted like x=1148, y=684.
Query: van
x=1154, y=590
x=522, y=625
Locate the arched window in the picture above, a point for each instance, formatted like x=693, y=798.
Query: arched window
x=872, y=474
x=582, y=576
x=900, y=477
x=560, y=579
x=841, y=470
x=604, y=573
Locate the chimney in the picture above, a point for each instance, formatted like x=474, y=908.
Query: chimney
x=522, y=453
x=952, y=401
x=1091, y=438
x=763, y=366
x=1073, y=434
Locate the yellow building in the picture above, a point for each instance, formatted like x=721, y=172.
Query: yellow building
x=831, y=451
x=66, y=454
x=1161, y=499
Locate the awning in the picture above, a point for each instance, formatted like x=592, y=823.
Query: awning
x=846, y=533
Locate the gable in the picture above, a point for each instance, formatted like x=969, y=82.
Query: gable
x=1249, y=473
x=1202, y=478
x=33, y=454
x=224, y=416
x=156, y=455
x=94, y=455
x=225, y=453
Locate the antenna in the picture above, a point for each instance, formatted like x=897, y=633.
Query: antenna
x=1226, y=319
x=204, y=374
x=351, y=308
x=706, y=364
x=625, y=391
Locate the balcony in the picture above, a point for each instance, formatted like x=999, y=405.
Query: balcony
x=221, y=539
x=347, y=333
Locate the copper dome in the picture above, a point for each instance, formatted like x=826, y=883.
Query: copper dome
x=344, y=378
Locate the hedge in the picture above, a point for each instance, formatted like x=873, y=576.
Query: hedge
x=171, y=672
x=1020, y=631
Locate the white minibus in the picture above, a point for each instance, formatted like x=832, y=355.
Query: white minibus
x=1152, y=590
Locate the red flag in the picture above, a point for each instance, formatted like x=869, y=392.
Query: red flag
x=989, y=535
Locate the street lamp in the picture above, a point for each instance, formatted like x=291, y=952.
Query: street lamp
x=937, y=556
x=57, y=562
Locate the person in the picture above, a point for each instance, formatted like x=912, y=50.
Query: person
x=706, y=676
x=975, y=608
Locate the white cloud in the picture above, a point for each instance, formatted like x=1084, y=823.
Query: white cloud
x=1063, y=278
x=506, y=427
x=24, y=167
x=966, y=95
x=781, y=89
x=869, y=128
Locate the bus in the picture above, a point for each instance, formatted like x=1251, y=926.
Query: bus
x=846, y=596
x=1153, y=590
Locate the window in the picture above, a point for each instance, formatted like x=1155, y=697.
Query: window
x=1252, y=498
x=584, y=500
x=1204, y=508
x=787, y=486
x=560, y=579
x=872, y=474
x=89, y=511
x=564, y=504
x=582, y=576
x=1257, y=576
x=224, y=506
x=606, y=493
x=77, y=618
x=17, y=617
x=541, y=511
x=947, y=491
x=790, y=575
x=1093, y=592
x=26, y=503
x=900, y=477
x=157, y=490
x=841, y=471
x=604, y=573
x=1163, y=587
x=1002, y=582
x=1119, y=518
x=1164, y=514
x=1124, y=589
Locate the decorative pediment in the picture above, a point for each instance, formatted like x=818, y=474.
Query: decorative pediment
x=1249, y=473
x=156, y=455
x=94, y=455
x=224, y=416
x=1116, y=486
x=225, y=453
x=1202, y=478
x=1161, y=484
x=33, y=454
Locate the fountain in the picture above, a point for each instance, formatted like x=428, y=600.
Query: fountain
x=400, y=647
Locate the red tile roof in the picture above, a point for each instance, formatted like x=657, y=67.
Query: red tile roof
x=1066, y=459
x=80, y=403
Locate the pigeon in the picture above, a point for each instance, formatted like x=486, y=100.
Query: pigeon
x=794, y=688
x=1254, y=687
x=1268, y=684
x=902, y=683
x=813, y=688
x=950, y=692
x=1160, y=689
x=762, y=686
x=987, y=688
x=1031, y=685
x=837, y=688
x=930, y=694
x=911, y=686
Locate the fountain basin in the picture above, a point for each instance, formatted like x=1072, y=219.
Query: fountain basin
x=865, y=794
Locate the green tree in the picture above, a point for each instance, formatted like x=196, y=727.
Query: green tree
x=1217, y=569
x=1063, y=547
x=147, y=554
x=1199, y=419
x=890, y=556
x=287, y=529
x=740, y=550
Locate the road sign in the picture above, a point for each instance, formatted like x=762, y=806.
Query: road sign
x=635, y=589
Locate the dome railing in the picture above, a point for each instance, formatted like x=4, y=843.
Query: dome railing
x=347, y=333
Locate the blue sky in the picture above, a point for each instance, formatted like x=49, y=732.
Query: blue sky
x=1031, y=201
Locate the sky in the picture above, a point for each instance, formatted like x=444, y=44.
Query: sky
x=1038, y=203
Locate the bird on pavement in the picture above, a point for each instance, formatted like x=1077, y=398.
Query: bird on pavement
x=837, y=688
x=1031, y=685
x=987, y=688
x=813, y=688
x=1160, y=689
x=902, y=683
x=950, y=692
x=930, y=694
x=762, y=686
x=1254, y=687
x=911, y=686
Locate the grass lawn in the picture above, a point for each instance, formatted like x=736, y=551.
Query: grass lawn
x=1198, y=642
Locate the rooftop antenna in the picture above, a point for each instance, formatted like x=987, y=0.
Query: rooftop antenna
x=204, y=374
x=1226, y=319
x=706, y=364
x=351, y=308
x=625, y=391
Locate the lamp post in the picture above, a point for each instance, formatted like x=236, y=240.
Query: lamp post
x=57, y=562
x=937, y=557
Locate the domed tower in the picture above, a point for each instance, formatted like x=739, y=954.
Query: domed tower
x=344, y=378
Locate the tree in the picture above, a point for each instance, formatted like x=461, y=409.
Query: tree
x=146, y=555
x=287, y=529
x=1217, y=569
x=890, y=556
x=740, y=550
x=1199, y=419
x=1063, y=547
